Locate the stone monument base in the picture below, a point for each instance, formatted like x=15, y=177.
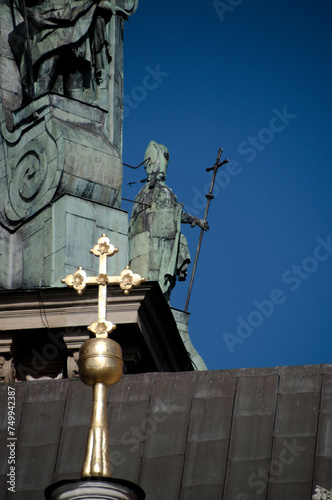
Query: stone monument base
x=94, y=487
x=53, y=243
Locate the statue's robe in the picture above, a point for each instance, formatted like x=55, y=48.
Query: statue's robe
x=54, y=26
x=168, y=254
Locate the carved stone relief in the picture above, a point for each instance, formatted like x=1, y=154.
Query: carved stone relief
x=72, y=368
x=321, y=494
x=33, y=164
x=7, y=370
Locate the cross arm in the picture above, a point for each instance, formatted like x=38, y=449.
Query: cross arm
x=127, y=280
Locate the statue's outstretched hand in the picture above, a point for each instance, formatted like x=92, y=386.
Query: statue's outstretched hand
x=201, y=223
x=204, y=224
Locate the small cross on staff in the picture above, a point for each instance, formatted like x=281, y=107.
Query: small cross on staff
x=79, y=280
x=209, y=196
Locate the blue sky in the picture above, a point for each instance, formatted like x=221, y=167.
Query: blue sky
x=254, y=78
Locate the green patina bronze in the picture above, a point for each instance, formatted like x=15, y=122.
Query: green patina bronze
x=61, y=114
x=65, y=46
x=157, y=248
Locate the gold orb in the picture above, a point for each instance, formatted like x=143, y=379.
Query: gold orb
x=100, y=361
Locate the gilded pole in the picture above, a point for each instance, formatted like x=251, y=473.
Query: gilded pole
x=96, y=462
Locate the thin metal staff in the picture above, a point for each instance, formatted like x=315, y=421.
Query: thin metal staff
x=28, y=48
x=209, y=197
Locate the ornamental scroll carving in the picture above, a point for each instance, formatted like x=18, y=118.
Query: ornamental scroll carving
x=33, y=166
x=58, y=146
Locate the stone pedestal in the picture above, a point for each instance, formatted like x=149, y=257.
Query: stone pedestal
x=58, y=146
x=94, y=488
x=60, y=186
x=53, y=243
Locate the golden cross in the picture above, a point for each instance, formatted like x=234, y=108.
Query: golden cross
x=126, y=280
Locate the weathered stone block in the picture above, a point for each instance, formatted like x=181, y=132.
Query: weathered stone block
x=33, y=430
x=33, y=259
x=11, y=268
x=127, y=423
x=155, y=474
x=324, y=438
x=198, y=492
x=55, y=242
x=297, y=414
x=323, y=467
x=139, y=389
x=36, y=465
x=292, y=459
x=251, y=437
x=172, y=392
x=256, y=395
x=71, y=451
x=210, y=419
x=215, y=384
x=290, y=491
x=166, y=434
x=243, y=480
x=326, y=398
x=300, y=379
x=205, y=463
x=118, y=224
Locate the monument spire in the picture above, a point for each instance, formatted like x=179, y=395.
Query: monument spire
x=100, y=359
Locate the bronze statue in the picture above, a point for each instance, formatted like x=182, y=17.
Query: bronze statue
x=63, y=46
x=157, y=248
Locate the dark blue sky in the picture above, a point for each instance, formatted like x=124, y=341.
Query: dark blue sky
x=254, y=78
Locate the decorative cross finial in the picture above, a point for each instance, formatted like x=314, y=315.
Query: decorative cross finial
x=100, y=359
x=79, y=280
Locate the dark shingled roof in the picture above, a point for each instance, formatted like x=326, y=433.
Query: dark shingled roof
x=232, y=435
